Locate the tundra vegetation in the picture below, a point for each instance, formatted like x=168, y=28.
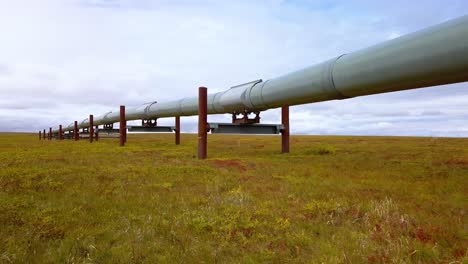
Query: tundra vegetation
x=333, y=199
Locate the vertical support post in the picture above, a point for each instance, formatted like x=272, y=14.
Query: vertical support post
x=76, y=135
x=40, y=135
x=177, y=130
x=50, y=133
x=123, y=126
x=44, y=135
x=91, y=128
x=60, y=137
x=202, y=122
x=285, y=132
x=96, y=133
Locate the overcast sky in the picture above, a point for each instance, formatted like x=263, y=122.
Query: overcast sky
x=62, y=60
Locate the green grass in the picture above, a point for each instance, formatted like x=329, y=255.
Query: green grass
x=331, y=200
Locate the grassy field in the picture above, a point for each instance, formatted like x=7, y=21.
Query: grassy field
x=331, y=200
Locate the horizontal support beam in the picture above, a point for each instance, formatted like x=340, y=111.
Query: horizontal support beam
x=109, y=130
x=229, y=128
x=156, y=129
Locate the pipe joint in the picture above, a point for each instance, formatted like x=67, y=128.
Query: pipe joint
x=328, y=82
x=146, y=111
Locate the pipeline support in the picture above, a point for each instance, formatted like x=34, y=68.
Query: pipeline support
x=177, y=130
x=91, y=128
x=60, y=135
x=285, y=131
x=202, y=123
x=123, y=126
x=76, y=134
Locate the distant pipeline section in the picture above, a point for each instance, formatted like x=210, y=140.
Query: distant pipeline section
x=434, y=56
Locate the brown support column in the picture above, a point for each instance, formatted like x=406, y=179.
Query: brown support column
x=202, y=122
x=40, y=135
x=76, y=134
x=44, y=135
x=123, y=126
x=177, y=130
x=50, y=133
x=91, y=128
x=97, y=133
x=60, y=137
x=285, y=132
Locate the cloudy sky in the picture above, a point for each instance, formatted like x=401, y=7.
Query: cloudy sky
x=61, y=60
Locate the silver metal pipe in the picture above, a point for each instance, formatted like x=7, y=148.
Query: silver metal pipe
x=435, y=56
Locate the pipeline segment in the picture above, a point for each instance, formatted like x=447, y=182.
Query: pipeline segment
x=434, y=56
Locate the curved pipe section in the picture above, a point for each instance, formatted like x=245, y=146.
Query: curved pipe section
x=434, y=56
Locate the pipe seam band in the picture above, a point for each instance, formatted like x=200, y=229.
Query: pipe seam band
x=246, y=100
x=105, y=116
x=146, y=111
x=328, y=81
